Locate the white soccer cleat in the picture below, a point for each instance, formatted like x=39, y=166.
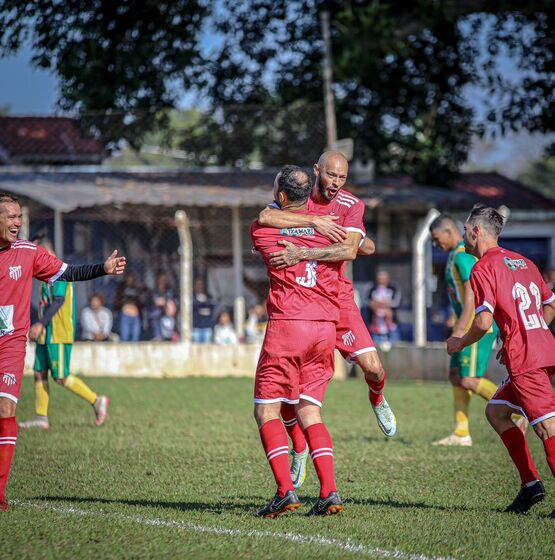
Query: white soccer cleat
x=386, y=418
x=298, y=467
x=40, y=423
x=454, y=440
x=101, y=409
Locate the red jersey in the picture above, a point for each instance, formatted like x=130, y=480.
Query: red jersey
x=512, y=288
x=350, y=210
x=306, y=291
x=20, y=262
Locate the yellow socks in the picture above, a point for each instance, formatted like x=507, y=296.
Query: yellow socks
x=80, y=388
x=42, y=397
x=486, y=389
x=462, y=399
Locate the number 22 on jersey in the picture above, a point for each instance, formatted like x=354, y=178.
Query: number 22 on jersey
x=530, y=320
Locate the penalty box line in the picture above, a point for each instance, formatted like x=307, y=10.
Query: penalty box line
x=345, y=545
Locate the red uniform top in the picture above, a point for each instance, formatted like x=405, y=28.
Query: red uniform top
x=306, y=291
x=350, y=210
x=512, y=288
x=20, y=262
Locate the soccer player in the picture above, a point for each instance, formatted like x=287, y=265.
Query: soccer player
x=297, y=357
x=54, y=333
x=467, y=369
x=339, y=216
x=20, y=262
x=509, y=288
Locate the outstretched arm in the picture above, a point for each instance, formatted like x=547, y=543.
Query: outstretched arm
x=324, y=225
x=113, y=265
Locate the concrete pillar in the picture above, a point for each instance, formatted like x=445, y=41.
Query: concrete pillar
x=186, y=275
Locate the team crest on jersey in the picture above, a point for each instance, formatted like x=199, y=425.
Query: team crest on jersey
x=514, y=264
x=8, y=379
x=298, y=232
x=348, y=338
x=15, y=272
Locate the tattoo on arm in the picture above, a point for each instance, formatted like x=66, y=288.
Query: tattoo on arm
x=333, y=253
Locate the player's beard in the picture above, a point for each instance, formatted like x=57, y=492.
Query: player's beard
x=323, y=193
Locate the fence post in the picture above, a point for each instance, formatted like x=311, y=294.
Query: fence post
x=186, y=275
x=239, y=300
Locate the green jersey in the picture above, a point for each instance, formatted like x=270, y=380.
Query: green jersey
x=457, y=272
x=61, y=329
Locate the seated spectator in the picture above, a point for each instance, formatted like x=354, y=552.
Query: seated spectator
x=160, y=296
x=384, y=297
x=224, y=332
x=168, y=322
x=257, y=320
x=97, y=320
x=203, y=313
x=129, y=302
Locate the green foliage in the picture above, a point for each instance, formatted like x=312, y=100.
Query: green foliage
x=176, y=456
x=541, y=176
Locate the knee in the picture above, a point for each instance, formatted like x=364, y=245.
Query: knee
x=491, y=414
x=7, y=408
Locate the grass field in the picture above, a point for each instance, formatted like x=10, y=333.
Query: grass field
x=178, y=472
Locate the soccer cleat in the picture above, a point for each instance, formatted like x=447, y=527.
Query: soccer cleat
x=298, y=467
x=101, y=409
x=41, y=423
x=279, y=505
x=386, y=418
x=327, y=506
x=454, y=441
x=527, y=497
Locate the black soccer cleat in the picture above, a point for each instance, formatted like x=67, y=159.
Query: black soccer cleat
x=527, y=497
x=279, y=505
x=327, y=506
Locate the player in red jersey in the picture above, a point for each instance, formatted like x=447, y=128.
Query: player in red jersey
x=338, y=215
x=509, y=288
x=20, y=262
x=297, y=360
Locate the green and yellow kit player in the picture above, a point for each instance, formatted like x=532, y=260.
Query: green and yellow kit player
x=467, y=369
x=54, y=334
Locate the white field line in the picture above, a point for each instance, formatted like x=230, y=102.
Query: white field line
x=345, y=545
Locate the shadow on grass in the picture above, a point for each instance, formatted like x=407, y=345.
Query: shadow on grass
x=179, y=506
x=402, y=505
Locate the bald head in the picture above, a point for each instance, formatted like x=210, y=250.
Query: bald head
x=331, y=174
x=292, y=186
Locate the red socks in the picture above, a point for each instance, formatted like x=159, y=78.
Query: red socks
x=274, y=440
x=8, y=437
x=321, y=451
x=293, y=429
x=549, y=446
x=375, y=389
x=516, y=445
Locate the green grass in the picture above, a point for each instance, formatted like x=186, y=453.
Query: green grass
x=177, y=457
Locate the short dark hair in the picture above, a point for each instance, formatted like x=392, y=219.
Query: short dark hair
x=294, y=182
x=7, y=197
x=442, y=221
x=489, y=218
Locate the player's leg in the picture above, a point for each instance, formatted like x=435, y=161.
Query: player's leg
x=356, y=345
x=276, y=382
x=299, y=452
x=12, y=359
x=60, y=360
x=42, y=390
x=499, y=413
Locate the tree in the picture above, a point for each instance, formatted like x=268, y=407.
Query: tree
x=120, y=64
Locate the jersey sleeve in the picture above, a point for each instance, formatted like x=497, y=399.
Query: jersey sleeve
x=354, y=220
x=47, y=267
x=547, y=295
x=59, y=289
x=482, y=285
x=464, y=263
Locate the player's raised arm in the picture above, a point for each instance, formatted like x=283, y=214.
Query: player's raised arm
x=113, y=265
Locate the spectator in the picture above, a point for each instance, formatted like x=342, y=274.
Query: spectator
x=224, y=333
x=203, y=313
x=129, y=302
x=256, y=323
x=97, y=320
x=383, y=299
x=160, y=296
x=168, y=322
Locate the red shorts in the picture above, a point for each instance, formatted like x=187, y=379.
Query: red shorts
x=12, y=362
x=352, y=336
x=529, y=393
x=296, y=362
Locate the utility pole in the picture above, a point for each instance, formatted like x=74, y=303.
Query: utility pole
x=331, y=127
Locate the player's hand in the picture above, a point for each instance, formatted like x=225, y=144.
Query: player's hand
x=35, y=331
x=288, y=257
x=454, y=345
x=327, y=226
x=114, y=264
